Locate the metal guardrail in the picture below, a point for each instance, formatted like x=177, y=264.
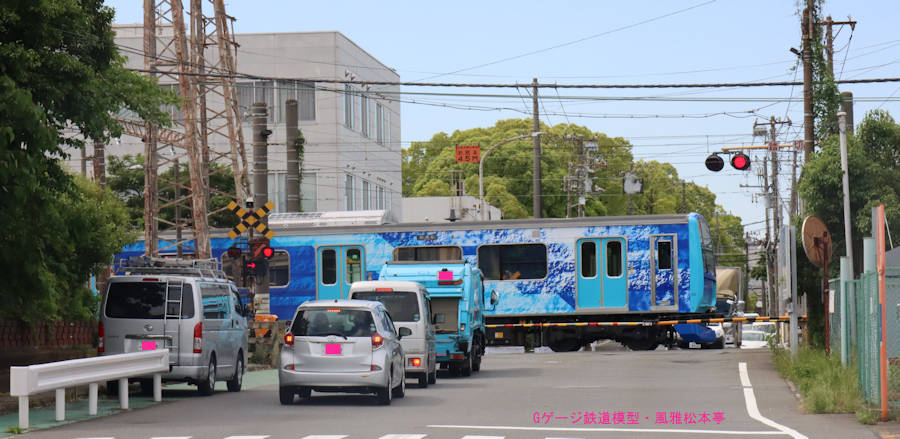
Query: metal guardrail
x=28, y=380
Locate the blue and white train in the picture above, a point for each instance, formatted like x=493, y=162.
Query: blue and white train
x=594, y=269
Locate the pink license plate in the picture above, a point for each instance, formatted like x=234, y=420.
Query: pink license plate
x=332, y=349
x=148, y=345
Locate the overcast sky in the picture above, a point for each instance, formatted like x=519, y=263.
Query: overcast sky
x=592, y=42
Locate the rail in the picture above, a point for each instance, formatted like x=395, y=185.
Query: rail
x=27, y=380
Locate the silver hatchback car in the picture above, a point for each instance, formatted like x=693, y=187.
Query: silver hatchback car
x=342, y=346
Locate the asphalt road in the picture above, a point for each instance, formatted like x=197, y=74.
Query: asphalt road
x=608, y=393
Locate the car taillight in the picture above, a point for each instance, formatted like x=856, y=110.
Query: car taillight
x=100, y=333
x=198, y=338
x=289, y=339
x=415, y=362
x=450, y=282
x=377, y=341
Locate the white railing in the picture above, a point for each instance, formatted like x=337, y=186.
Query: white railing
x=28, y=380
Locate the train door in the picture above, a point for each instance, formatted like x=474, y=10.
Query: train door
x=601, y=281
x=663, y=272
x=336, y=268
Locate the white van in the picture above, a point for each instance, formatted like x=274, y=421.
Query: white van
x=186, y=306
x=410, y=307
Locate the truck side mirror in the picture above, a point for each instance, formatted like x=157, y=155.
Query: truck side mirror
x=494, y=298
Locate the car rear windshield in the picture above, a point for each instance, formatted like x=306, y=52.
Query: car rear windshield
x=147, y=300
x=402, y=305
x=334, y=321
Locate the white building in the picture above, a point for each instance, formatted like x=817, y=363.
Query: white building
x=437, y=209
x=352, y=153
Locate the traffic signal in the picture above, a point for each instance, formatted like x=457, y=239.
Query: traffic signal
x=740, y=161
x=715, y=163
x=268, y=252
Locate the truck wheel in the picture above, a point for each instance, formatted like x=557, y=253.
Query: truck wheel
x=641, y=344
x=432, y=377
x=565, y=345
x=423, y=380
x=466, y=369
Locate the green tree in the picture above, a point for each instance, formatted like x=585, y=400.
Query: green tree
x=59, y=69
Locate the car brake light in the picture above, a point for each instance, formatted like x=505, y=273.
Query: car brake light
x=198, y=338
x=377, y=341
x=415, y=362
x=100, y=333
x=386, y=290
x=150, y=279
x=289, y=339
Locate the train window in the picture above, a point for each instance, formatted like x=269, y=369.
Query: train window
x=514, y=261
x=664, y=255
x=614, y=258
x=279, y=269
x=706, y=245
x=329, y=267
x=428, y=253
x=354, y=265
x=588, y=259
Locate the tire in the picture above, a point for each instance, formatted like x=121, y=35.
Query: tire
x=423, y=380
x=286, y=395
x=235, y=383
x=400, y=391
x=641, y=344
x=304, y=392
x=432, y=377
x=208, y=386
x=466, y=369
x=476, y=363
x=565, y=345
x=383, y=395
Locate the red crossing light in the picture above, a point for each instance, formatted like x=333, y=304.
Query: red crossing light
x=740, y=161
x=268, y=252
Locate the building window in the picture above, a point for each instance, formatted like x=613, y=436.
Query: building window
x=308, y=192
x=379, y=198
x=251, y=92
x=387, y=127
x=305, y=95
x=348, y=106
x=513, y=261
x=379, y=123
x=277, y=190
x=364, y=115
x=365, y=195
x=348, y=193
x=428, y=253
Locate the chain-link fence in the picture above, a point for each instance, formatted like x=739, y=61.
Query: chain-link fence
x=864, y=331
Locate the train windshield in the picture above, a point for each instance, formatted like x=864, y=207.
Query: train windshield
x=706, y=244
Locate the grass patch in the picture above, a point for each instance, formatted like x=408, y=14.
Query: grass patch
x=824, y=385
x=15, y=430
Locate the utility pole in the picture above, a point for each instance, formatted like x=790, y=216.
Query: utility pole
x=292, y=181
x=261, y=132
x=151, y=194
x=684, y=208
x=769, y=262
x=773, y=303
x=793, y=209
x=582, y=175
x=536, y=155
x=177, y=176
x=809, y=127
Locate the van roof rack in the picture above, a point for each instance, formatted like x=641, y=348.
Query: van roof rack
x=187, y=267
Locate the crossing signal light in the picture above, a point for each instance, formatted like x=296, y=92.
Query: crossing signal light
x=715, y=163
x=268, y=252
x=740, y=161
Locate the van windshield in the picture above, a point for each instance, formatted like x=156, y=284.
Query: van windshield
x=402, y=305
x=333, y=321
x=146, y=300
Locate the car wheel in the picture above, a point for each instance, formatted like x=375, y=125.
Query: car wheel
x=304, y=392
x=466, y=369
x=384, y=394
x=400, y=391
x=234, y=384
x=286, y=395
x=208, y=386
x=423, y=380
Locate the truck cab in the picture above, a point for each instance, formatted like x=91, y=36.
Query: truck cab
x=457, y=306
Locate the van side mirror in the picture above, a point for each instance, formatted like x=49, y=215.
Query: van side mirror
x=404, y=331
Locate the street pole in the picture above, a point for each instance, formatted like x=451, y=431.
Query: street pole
x=292, y=181
x=769, y=268
x=773, y=304
x=178, y=243
x=842, y=125
x=536, y=153
x=259, y=112
x=809, y=124
x=581, y=172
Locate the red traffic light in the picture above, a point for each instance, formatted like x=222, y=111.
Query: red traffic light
x=268, y=252
x=251, y=265
x=740, y=161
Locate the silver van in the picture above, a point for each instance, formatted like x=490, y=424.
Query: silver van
x=410, y=307
x=186, y=306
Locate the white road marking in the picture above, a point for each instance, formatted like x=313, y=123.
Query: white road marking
x=171, y=437
x=325, y=436
x=616, y=430
x=482, y=437
x=403, y=436
x=753, y=410
x=248, y=437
